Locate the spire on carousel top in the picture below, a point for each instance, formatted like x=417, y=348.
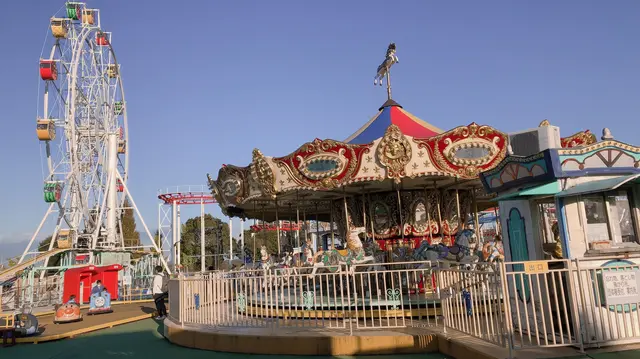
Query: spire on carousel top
x=385, y=67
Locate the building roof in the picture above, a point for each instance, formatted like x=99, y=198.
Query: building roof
x=392, y=113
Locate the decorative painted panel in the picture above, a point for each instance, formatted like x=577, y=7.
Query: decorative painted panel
x=606, y=157
x=322, y=164
x=466, y=150
x=515, y=170
x=519, y=249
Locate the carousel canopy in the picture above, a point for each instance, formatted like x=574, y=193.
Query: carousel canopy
x=392, y=113
x=432, y=162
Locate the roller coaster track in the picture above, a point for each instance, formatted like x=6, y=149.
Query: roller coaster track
x=11, y=271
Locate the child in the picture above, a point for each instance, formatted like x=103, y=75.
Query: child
x=72, y=300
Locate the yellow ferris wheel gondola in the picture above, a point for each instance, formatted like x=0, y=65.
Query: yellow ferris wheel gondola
x=59, y=27
x=122, y=146
x=112, y=71
x=88, y=17
x=46, y=129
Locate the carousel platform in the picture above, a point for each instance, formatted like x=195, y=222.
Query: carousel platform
x=288, y=305
x=314, y=341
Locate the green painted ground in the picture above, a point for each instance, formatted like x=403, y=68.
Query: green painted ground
x=628, y=354
x=140, y=340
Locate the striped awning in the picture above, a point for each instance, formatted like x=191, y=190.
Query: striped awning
x=392, y=113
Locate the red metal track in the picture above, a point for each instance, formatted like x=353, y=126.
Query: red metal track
x=187, y=198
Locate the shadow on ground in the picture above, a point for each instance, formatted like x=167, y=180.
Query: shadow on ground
x=142, y=339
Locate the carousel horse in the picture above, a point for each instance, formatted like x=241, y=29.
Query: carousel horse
x=267, y=263
x=266, y=260
x=334, y=259
x=461, y=252
x=389, y=60
x=26, y=323
x=284, y=269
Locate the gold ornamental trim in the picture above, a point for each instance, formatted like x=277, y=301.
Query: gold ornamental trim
x=262, y=172
x=394, y=152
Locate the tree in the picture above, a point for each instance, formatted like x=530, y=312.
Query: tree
x=157, y=238
x=258, y=239
x=131, y=236
x=216, y=241
x=54, y=260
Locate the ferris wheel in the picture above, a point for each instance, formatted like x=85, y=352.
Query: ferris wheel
x=82, y=129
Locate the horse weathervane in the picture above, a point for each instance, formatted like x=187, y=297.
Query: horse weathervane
x=384, y=68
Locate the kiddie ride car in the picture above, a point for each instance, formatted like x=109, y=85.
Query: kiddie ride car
x=100, y=303
x=67, y=313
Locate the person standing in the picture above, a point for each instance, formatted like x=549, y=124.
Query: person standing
x=159, y=293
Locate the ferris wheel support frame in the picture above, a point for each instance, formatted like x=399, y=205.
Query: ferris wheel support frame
x=110, y=205
x=111, y=194
x=144, y=225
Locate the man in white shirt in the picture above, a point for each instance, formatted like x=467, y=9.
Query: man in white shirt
x=159, y=293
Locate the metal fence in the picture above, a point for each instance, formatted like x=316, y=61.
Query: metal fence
x=42, y=293
x=608, y=320
x=515, y=305
x=359, y=298
x=472, y=303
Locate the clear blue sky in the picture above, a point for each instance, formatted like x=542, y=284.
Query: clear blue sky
x=207, y=81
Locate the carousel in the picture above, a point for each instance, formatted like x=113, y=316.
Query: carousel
x=398, y=190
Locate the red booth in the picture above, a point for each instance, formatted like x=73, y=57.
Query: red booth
x=87, y=276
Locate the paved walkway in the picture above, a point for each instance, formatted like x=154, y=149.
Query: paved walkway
x=141, y=339
x=121, y=311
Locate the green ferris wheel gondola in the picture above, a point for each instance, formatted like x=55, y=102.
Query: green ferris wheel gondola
x=73, y=11
x=52, y=192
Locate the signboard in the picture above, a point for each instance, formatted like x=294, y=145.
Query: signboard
x=126, y=279
x=621, y=287
x=536, y=267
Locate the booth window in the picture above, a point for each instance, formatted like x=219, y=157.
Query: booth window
x=609, y=217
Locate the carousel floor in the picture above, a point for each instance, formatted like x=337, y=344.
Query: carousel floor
x=289, y=298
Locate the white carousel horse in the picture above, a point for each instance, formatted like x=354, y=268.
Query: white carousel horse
x=389, y=60
x=335, y=259
x=285, y=269
x=266, y=264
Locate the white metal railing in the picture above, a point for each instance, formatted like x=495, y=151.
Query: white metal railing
x=472, y=303
x=541, y=304
x=293, y=297
x=394, y=295
x=518, y=305
x=604, y=322
x=41, y=294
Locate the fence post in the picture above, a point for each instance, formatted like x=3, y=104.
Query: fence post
x=443, y=305
x=506, y=303
x=577, y=314
x=181, y=299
